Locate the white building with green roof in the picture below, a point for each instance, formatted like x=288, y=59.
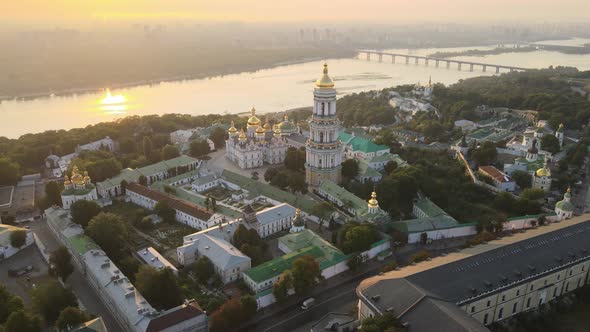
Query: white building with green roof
x=359, y=147
x=342, y=198
x=156, y=172
x=432, y=222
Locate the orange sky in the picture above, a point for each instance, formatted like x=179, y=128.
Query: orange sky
x=337, y=11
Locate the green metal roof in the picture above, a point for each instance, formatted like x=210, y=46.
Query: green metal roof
x=365, y=170
x=278, y=265
x=360, y=143
x=427, y=224
x=82, y=243
x=565, y=205
x=429, y=208
x=256, y=188
x=346, y=197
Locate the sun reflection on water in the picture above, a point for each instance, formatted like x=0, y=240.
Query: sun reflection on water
x=113, y=104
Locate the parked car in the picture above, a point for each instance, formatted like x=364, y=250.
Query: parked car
x=308, y=303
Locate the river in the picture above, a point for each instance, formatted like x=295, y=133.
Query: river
x=269, y=90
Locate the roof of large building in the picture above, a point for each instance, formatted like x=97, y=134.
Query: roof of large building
x=366, y=171
x=175, y=316
x=472, y=273
x=172, y=201
x=154, y=259
x=221, y=253
x=301, y=243
x=494, y=173
x=132, y=175
x=345, y=196
x=428, y=224
x=428, y=207
x=362, y=144
x=94, y=325
x=273, y=213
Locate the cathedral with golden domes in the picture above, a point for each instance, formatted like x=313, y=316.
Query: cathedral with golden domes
x=77, y=187
x=256, y=146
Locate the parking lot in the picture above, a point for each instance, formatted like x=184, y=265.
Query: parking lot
x=21, y=285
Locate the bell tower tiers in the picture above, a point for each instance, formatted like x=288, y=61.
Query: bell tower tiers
x=323, y=150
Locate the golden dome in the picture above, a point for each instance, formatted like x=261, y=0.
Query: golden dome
x=232, y=129
x=242, y=136
x=277, y=132
x=260, y=130
x=373, y=201
x=541, y=172
x=66, y=180
x=325, y=81
x=266, y=125
x=253, y=120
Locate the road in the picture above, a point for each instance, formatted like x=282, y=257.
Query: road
x=77, y=282
x=334, y=295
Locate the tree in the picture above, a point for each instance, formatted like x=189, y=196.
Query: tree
x=386, y=322
x=203, y=269
x=213, y=204
x=295, y=159
x=53, y=193
x=147, y=147
x=50, y=298
x=350, y=168
x=169, y=152
x=83, y=211
x=142, y=180
x=124, y=185
x=270, y=173
x=218, y=135
x=354, y=262
x=8, y=304
x=355, y=237
x=199, y=148
x=486, y=154
x=61, y=262
x=533, y=194
x=306, y=274
x=522, y=178
x=21, y=321
x=390, y=167
x=18, y=238
x=323, y=211
x=110, y=233
x=159, y=287
x=70, y=318
x=228, y=316
x=280, y=289
x=8, y=172
x=249, y=306
x=165, y=212
x=550, y=143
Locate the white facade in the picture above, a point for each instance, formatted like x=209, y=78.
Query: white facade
x=272, y=220
x=227, y=260
x=186, y=212
x=78, y=187
x=257, y=146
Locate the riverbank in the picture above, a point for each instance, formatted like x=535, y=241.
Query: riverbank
x=522, y=49
x=132, y=69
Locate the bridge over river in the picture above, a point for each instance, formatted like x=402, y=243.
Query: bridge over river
x=426, y=60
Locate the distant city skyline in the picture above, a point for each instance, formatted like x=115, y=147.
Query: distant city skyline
x=270, y=11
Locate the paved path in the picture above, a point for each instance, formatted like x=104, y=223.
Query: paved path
x=77, y=282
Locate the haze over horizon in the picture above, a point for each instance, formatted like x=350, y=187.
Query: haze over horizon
x=269, y=11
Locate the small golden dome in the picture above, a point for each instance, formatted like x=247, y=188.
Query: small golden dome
x=325, y=81
x=373, y=201
x=260, y=130
x=253, y=120
x=266, y=125
x=242, y=136
x=277, y=132
x=232, y=129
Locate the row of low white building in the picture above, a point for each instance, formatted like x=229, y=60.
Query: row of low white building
x=123, y=300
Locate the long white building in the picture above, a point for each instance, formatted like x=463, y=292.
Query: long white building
x=270, y=220
x=186, y=212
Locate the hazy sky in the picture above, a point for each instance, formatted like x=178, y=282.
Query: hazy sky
x=329, y=11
